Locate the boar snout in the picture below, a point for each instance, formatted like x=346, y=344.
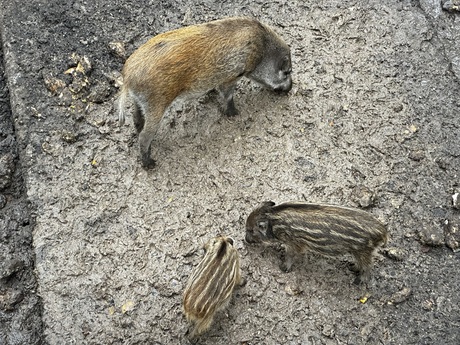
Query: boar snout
x=250, y=238
x=285, y=88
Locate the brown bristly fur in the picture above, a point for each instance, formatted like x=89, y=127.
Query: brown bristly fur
x=195, y=59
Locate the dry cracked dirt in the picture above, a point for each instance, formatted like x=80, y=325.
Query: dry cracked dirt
x=96, y=250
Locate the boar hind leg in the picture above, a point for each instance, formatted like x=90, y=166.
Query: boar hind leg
x=190, y=335
x=138, y=118
x=226, y=91
x=140, y=107
x=201, y=326
x=240, y=281
x=149, y=129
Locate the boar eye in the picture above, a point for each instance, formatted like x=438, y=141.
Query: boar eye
x=230, y=240
x=286, y=65
x=262, y=226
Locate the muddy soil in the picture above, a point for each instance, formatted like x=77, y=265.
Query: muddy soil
x=372, y=121
x=20, y=307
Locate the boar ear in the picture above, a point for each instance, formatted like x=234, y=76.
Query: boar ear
x=230, y=240
x=267, y=204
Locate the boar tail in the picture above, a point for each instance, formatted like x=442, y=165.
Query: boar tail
x=122, y=105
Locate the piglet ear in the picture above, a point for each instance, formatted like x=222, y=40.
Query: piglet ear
x=267, y=204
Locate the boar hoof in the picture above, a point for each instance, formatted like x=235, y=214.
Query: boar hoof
x=148, y=163
x=231, y=111
x=357, y=280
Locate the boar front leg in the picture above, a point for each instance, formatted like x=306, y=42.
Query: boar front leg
x=363, y=265
x=286, y=264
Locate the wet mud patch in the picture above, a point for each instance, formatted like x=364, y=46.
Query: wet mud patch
x=372, y=122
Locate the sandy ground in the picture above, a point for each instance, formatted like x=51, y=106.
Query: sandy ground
x=96, y=250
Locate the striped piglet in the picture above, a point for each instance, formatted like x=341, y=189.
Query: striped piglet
x=210, y=286
x=322, y=229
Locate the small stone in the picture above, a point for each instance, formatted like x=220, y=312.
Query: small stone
x=54, y=85
x=452, y=234
x=127, y=306
x=6, y=170
x=363, y=299
x=292, y=289
x=394, y=253
x=398, y=108
x=81, y=64
x=328, y=331
x=68, y=136
x=417, y=155
x=443, y=162
x=10, y=267
x=363, y=196
x=175, y=286
x=431, y=7
x=9, y=298
x=115, y=78
x=65, y=98
x=400, y=296
x=428, y=305
x=456, y=201
x=47, y=148
x=432, y=235
x=2, y=201
x=451, y=5
x=118, y=49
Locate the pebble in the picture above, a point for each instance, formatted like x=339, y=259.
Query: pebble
x=6, y=170
x=53, y=84
x=9, y=298
x=2, y=201
x=456, y=201
x=452, y=234
x=394, y=253
x=432, y=235
x=118, y=49
x=452, y=5
x=363, y=196
x=10, y=267
x=68, y=136
x=417, y=155
x=400, y=296
x=292, y=289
